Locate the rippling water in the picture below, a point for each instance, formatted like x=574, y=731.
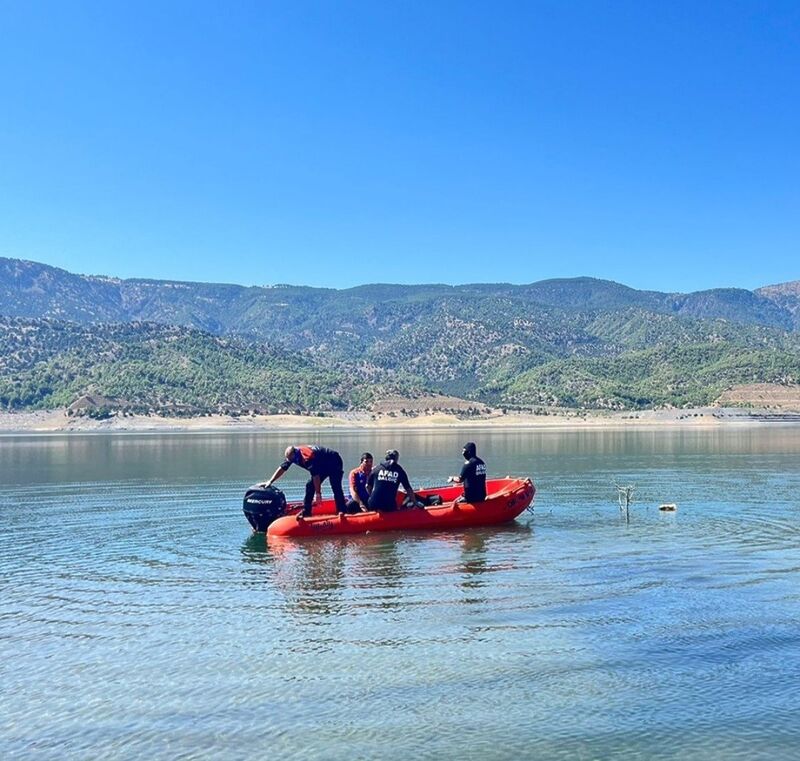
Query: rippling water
x=139, y=618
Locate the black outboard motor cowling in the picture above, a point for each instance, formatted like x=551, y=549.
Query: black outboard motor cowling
x=262, y=505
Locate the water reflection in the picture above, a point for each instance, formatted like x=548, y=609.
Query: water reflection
x=167, y=618
x=180, y=458
x=254, y=549
x=327, y=576
x=473, y=559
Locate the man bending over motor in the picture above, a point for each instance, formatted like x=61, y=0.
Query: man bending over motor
x=321, y=463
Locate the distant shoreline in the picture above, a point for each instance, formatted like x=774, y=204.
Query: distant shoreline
x=58, y=422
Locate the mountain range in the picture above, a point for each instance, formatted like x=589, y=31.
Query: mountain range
x=577, y=342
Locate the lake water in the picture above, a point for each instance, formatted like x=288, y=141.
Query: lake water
x=139, y=618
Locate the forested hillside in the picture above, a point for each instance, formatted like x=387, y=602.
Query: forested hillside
x=304, y=317
x=195, y=348
x=143, y=367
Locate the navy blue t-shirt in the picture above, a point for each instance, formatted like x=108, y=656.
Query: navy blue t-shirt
x=385, y=480
x=473, y=476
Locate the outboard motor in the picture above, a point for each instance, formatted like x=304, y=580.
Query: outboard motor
x=262, y=505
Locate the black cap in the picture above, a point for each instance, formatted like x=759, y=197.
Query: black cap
x=392, y=454
x=470, y=449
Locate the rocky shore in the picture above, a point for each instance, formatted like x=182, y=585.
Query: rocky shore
x=58, y=421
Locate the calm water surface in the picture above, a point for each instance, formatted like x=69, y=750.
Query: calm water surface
x=139, y=618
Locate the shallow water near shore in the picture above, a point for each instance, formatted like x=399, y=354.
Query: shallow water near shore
x=140, y=618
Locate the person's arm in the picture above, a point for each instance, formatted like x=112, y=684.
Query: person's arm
x=276, y=475
x=369, y=484
x=317, y=488
x=459, y=479
x=353, y=484
x=370, y=488
x=406, y=485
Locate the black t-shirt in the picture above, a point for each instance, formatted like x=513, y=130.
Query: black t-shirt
x=383, y=482
x=473, y=476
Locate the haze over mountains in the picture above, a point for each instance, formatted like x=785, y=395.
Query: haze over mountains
x=29, y=289
x=576, y=342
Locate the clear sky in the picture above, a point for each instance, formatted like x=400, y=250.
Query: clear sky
x=654, y=143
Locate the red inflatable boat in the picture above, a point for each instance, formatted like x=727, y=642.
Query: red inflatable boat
x=506, y=499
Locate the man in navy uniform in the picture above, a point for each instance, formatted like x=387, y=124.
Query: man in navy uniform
x=384, y=481
x=473, y=475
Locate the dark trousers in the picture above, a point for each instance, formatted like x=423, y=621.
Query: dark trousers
x=336, y=486
x=383, y=503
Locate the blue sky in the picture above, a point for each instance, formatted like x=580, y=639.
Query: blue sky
x=338, y=143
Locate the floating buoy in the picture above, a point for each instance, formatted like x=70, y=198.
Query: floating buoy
x=669, y=507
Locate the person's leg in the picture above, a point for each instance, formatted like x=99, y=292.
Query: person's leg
x=338, y=494
x=308, y=500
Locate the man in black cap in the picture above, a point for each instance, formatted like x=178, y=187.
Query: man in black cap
x=384, y=481
x=473, y=475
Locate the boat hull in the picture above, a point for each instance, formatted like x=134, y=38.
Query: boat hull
x=506, y=499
